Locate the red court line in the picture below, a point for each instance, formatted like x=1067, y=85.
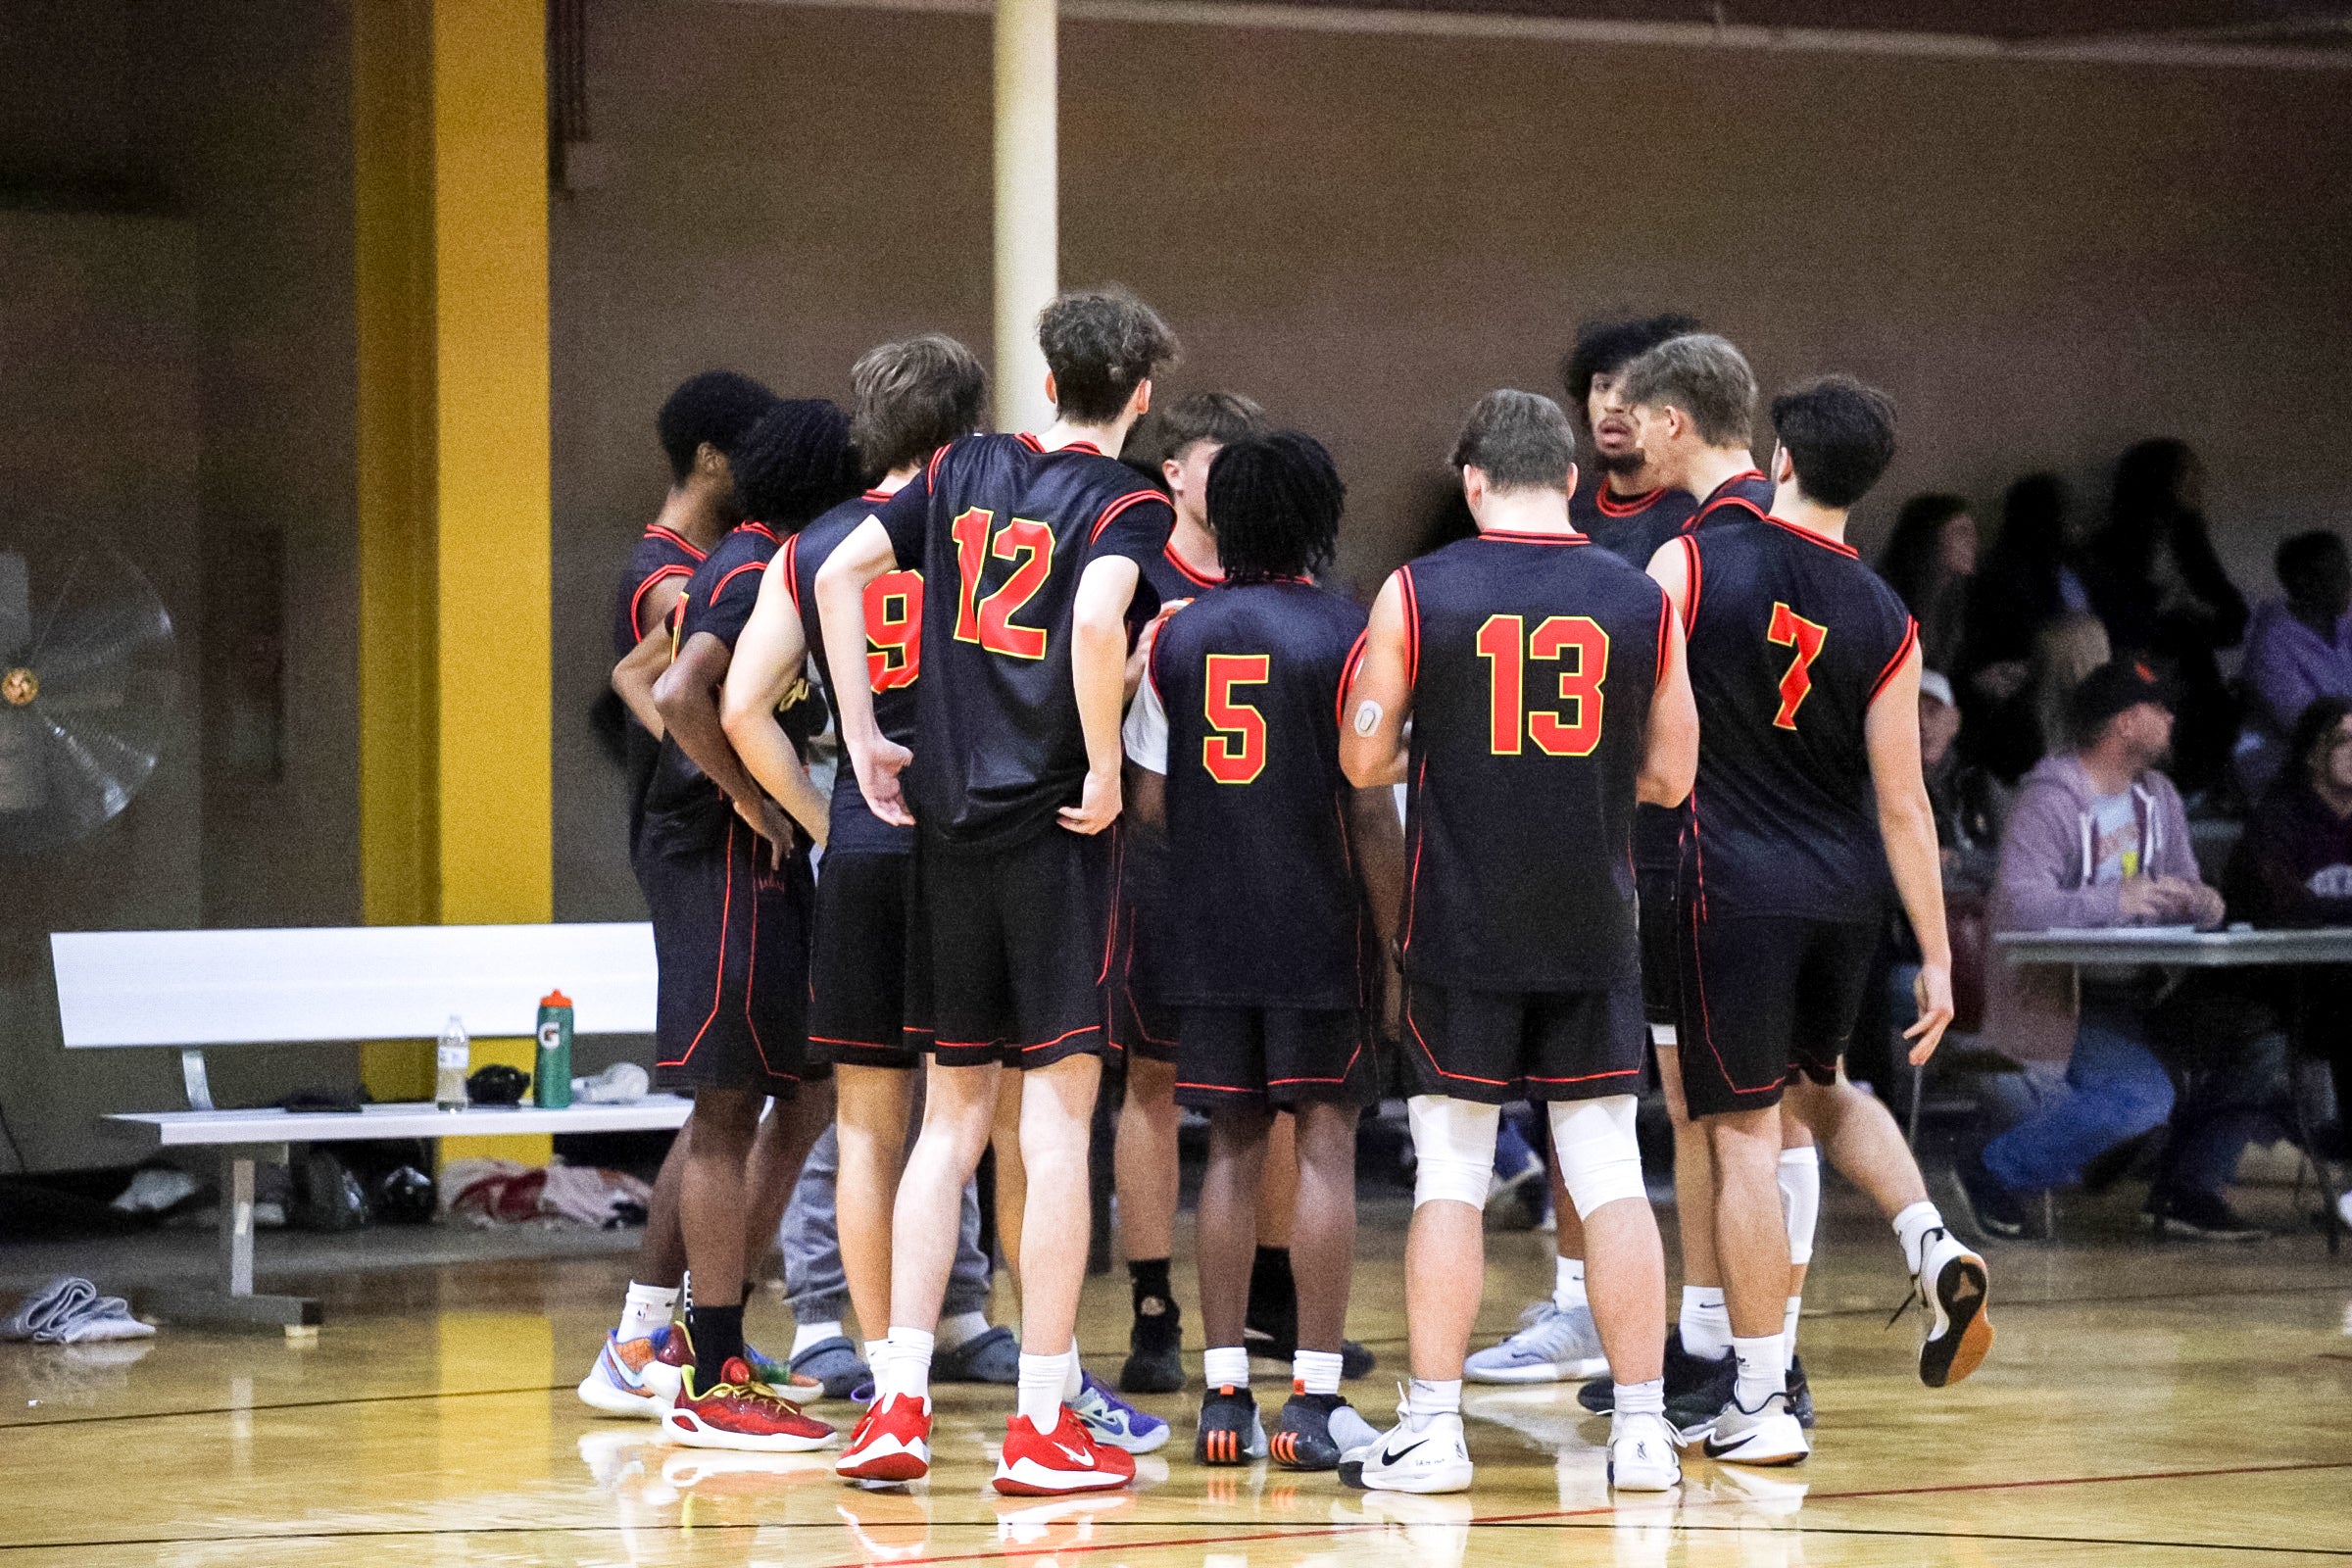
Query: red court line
x=1602, y=1509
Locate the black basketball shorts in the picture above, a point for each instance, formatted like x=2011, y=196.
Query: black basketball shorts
x=1762, y=997
x=858, y=961
x=1656, y=902
x=1140, y=1023
x=731, y=950
x=1011, y=949
x=1499, y=1045
x=1275, y=1057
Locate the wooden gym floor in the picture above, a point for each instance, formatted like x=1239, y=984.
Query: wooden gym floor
x=2146, y=1406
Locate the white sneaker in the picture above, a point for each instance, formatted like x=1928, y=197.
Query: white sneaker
x=1552, y=1345
x=1952, y=1284
x=1641, y=1455
x=1430, y=1455
x=1769, y=1434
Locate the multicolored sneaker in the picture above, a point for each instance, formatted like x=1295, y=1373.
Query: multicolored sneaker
x=1112, y=1420
x=1068, y=1459
x=1315, y=1429
x=892, y=1442
x=739, y=1411
x=618, y=1385
x=782, y=1375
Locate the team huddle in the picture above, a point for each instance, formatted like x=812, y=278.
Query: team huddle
x=1119, y=777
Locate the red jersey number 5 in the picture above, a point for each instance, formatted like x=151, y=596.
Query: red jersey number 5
x=1237, y=753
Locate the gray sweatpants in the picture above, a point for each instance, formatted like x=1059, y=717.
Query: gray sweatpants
x=814, y=1284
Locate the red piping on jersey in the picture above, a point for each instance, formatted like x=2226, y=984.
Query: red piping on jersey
x=749, y=565
x=1691, y=590
x=637, y=599
x=1185, y=568
x=1461, y=1077
x=792, y=573
x=1814, y=537
x=1604, y=500
x=1110, y=932
x=761, y=529
x=862, y=1044
x=1581, y=1078
x=876, y=495
x=1665, y=610
x=1515, y=537
x=1716, y=498
x=1706, y=1023
x=1039, y=447
x=1066, y=1034
x=1412, y=884
x=1902, y=652
x=1131, y=499
x=657, y=531
x=719, y=989
x=1355, y=661
x=931, y=469
x=1412, y=627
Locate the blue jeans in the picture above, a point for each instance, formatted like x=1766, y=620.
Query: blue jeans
x=2116, y=1089
x=815, y=1286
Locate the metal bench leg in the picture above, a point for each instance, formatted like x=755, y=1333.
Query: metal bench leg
x=236, y=1302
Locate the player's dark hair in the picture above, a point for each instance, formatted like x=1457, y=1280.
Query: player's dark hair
x=1838, y=433
x=2302, y=555
x=1100, y=344
x=1167, y=430
x=1274, y=504
x=1604, y=348
x=915, y=397
x=795, y=462
x=2314, y=730
x=1520, y=440
x=1705, y=377
x=719, y=407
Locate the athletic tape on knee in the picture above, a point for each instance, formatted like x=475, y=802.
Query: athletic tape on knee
x=1599, y=1159
x=1800, y=1199
x=1453, y=1148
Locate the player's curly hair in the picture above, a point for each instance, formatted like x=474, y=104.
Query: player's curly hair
x=1605, y=346
x=1100, y=344
x=1274, y=504
x=719, y=407
x=795, y=462
x=913, y=398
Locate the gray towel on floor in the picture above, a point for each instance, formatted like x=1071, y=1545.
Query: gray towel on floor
x=68, y=1311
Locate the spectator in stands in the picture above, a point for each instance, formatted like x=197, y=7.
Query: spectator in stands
x=2099, y=838
x=2031, y=724
x=2028, y=580
x=1930, y=560
x=1968, y=802
x=2300, y=648
x=2293, y=867
x=2156, y=582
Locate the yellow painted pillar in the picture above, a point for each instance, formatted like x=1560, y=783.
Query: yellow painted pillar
x=450, y=133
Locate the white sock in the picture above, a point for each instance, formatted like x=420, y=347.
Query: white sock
x=1706, y=1323
x=1642, y=1398
x=874, y=1350
x=1788, y=1317
x=961, y=1328
x=1315, y=1372
x=1911, y=1227
x=808, y=1334
x=1040, y=1394
x=1800, y=1199
x=647, y=1309
x=1428, y=1398
x=1761, y=1374
x=1568, y=1282
x=1073, y=1377
x=905, y=1365
x=1226, y=1366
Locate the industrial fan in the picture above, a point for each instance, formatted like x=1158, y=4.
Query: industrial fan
x=88, y=689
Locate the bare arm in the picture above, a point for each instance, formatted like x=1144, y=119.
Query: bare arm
x=634, y=676
x=1141, y=655
x=768, y=661
x=1907, y=825
x=688, y=697
x=1372, y=748
x=840, y=583
x=1099, y=671
x=1147, y=799
x=1671, y=761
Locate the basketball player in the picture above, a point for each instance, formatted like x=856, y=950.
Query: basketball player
x=1624, y=504
x=1544, y=684
x=913, y=398
x=727, y=882
x=1031, y=550
x=1269, y=921
x=1805, y=667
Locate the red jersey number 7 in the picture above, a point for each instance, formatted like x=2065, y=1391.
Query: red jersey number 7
x=1791, y=630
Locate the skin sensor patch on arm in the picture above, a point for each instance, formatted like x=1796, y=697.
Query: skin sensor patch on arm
x=1368, y=715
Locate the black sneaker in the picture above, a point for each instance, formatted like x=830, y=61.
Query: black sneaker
x=1996, y=1209
x=1685, y=1374
x=1801, y=1393
x=1154, y=1350
x=1315, y=1429
x=2199, y=1216
x=1692, y=1411
x=1275, y=1338
x=1230, y=1431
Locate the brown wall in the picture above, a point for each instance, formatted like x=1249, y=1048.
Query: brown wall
x=1365, y=232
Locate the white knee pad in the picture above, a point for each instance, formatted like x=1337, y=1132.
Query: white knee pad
x=1599, y=1159
x=1801, y=1198
x=1453, y=1148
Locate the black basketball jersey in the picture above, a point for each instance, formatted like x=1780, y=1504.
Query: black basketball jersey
x=683, y=809
x=1533, y=660
x=1001, y=530
x=1143, y=859
x=893, y=658
x=1792, y=637
x=659, y=555
x=1629, y=528
x=1262, y=908
x=1168, y=578
x=1742, y=498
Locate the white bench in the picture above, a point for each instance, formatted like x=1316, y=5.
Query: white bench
x=194, y=989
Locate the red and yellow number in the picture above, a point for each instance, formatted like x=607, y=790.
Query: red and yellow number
x=1573, y=731
x=988, y=622
x=1237, y=753
x=1793, y=630
x=894, y=629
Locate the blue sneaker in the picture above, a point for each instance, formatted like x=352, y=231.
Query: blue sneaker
x=1112, y=1420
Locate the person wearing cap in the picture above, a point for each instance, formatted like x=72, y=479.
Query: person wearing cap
x=2098, y=837
x=1968, y=802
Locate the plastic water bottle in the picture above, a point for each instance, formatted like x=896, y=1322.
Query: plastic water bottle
x=550, y=1085
x=452, y=1060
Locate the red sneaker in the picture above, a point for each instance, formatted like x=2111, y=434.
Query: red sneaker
x=1047, y=1464
x=738, y=1411
x=892, y=1442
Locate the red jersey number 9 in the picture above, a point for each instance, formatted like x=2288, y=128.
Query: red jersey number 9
x=1237, y=753
x=894, y=629
x=1575, y=729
